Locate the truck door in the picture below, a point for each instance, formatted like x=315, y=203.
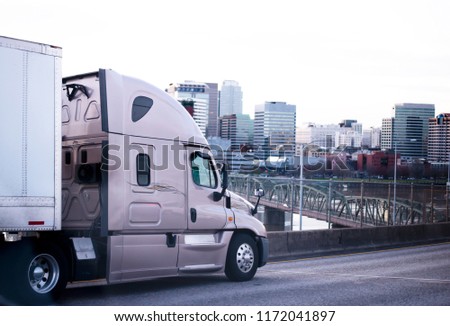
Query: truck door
x=146, y=210
x=202, y=181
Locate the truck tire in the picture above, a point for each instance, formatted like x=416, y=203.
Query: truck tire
x=242, y=258
x=38, y=274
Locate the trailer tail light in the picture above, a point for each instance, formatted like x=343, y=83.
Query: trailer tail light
x=31, y=223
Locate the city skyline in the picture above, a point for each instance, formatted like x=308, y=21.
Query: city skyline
x=333, y=60
x=227, y=84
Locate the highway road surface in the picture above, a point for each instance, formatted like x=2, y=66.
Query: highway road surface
x=418, y=276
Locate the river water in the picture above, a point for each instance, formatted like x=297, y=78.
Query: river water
x=307, y=223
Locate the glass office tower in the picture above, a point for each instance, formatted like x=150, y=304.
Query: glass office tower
x=274, y=129
x=410, y=129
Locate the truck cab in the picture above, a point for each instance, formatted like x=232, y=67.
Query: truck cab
x=141, y=195
x=141, y=170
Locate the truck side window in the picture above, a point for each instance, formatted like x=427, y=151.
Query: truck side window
x=141, y=105
x=203, y=172
x=143, y=169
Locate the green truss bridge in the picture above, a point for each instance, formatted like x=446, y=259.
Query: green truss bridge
x=349, y=203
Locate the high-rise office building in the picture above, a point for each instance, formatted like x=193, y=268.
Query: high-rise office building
x=387, y=128
x=230, y=98
x=238, y=128
x=366, y=138
x=375, y=137
x=410, y=132
x=212, y=128
x=315, y=135
x=357, y=127
x=348, y=138
x=347, y=123
x=349, y=134
x=439, y=138
x=195, y=93
x=274, y=129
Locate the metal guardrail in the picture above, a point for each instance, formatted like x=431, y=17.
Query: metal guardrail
x=350, y=203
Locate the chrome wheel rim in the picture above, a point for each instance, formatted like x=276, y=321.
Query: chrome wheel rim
x=245, y=257
x=43, y=273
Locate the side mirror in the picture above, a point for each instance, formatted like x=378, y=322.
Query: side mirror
x=224, y=176
x=259, y=193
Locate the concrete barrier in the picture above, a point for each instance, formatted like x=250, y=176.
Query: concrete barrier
x=302, y=244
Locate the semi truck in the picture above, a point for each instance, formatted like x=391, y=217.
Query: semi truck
x=106, y=177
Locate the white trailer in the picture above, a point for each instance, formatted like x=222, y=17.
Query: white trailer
x=30, y=133
x=107, y=177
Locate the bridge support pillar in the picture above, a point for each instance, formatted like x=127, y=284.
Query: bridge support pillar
x=274, y=219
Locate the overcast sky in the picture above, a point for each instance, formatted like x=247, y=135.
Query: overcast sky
x=333, y=59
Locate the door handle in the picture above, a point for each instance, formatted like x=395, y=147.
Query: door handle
x=171, y=240
x=193, y=215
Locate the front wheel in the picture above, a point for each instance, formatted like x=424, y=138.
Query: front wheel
x=242, y=258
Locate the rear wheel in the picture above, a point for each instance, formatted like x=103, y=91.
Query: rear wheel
x=242, y=258
x=44, y=273
x=35, y=274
